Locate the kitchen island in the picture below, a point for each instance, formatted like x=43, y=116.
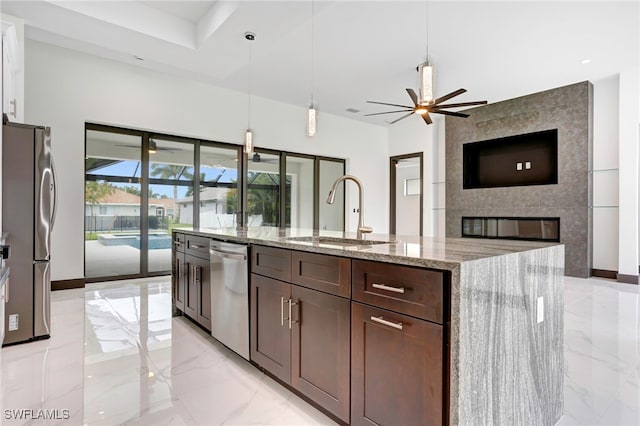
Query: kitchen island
x=492, y=312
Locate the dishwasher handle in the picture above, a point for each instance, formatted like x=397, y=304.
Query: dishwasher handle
x=227, y=255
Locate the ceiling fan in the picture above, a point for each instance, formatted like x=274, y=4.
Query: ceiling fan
x=423, y=109
x=153, y=147
x=256, y=158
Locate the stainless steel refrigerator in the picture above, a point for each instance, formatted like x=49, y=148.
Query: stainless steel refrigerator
x=28, y=213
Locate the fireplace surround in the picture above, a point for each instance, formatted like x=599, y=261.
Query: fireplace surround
x=566, y=110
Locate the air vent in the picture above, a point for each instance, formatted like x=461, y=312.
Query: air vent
x=352, y=110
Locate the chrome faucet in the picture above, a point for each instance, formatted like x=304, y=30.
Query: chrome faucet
x=332, y=195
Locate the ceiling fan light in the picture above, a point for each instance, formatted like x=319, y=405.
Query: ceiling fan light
x=425, y=83
x=420, y=111
x=248, y=141
x=312, y=115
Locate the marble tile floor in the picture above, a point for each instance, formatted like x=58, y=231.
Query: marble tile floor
x=117, y=357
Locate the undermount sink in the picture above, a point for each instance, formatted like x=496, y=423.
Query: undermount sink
x=337, y=241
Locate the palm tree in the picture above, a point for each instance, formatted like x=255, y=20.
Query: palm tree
x=94, y=192
x=172, y=172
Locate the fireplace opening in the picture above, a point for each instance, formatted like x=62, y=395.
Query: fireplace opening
x=512, y=228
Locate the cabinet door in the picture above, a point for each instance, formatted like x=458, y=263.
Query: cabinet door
x=320, y=349
x=203, y=287
x=178, y=278
x=396, y=362
x=191, y=288
x=270, y=334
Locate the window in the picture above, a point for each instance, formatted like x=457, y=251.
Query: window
x=141, y=185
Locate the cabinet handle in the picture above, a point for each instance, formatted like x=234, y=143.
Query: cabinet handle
x=291, y=303
x=195, y=246
x=177, y=243
x=14, y=104
x=388, y=288
x=383, y=321
x=196, y=274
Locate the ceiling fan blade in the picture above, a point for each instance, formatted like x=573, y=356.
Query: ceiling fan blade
x=413, y=95
x=395, y=105
x=462, y=104
x=449, y=96
x=427, y=118
x=398, y=119
x=388, y=112
x=455, y=114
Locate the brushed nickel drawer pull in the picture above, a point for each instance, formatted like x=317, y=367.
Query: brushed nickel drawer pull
x=291, y=303
x=383, y=321
x=195, y=246
x=388, y=288
x=282, y=311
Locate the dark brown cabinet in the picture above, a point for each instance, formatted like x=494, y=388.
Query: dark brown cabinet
x=191, y=278
x=270, y=334
x=178, y=273
x=396, y=368
x=398, y=352
x=302, y=335
x=320, y=348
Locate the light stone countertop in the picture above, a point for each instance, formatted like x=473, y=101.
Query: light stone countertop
x=431, y=252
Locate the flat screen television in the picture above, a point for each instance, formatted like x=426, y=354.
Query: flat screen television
x=526, y=159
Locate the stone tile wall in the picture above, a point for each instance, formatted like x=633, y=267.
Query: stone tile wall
x=568, y=109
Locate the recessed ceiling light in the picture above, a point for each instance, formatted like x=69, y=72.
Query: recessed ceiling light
x=585, y=61
x=138, y=58
x=352, y=110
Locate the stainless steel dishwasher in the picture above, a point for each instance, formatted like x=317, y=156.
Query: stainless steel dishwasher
x=230, y=295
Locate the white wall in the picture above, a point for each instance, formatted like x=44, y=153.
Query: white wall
x=64, y=89
x=629, y=120
x=605, y=173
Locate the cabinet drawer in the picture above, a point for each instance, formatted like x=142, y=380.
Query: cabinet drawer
x=405, y=289
x=271, y=262
x=197, y=246
x=330, y=274
x=179, y=242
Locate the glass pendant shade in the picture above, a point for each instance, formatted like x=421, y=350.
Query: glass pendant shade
x=425, y=73
x=311, y=121
x=248, y=141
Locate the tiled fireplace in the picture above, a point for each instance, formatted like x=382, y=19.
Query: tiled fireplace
x=519, y=169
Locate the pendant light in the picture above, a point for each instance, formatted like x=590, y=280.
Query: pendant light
x=312, y=112
x=248, y=134
x=425, y=70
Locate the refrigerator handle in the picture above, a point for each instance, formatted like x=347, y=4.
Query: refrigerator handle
x=55, y=193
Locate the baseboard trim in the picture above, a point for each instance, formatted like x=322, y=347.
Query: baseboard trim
x=603, y=273
x=67, y=284
x=627, y=279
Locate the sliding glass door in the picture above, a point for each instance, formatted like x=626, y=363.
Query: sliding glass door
x=169, y=198
x=113, y=204
x=140, y=185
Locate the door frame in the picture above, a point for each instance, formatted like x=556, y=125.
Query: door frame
x=393, y=161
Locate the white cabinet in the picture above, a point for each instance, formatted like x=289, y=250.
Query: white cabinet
x=13, y=68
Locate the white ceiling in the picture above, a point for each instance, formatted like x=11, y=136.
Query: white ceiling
x=363, y=50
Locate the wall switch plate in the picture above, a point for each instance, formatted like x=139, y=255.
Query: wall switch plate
x=527, y=165
x=540, y=309
x=518, y=166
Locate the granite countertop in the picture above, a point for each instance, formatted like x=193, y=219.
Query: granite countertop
x=431, y=252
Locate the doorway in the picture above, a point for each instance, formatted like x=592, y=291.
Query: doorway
x=406, y=199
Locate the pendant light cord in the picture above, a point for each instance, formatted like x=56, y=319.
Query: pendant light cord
x=312, y=50
x=250, y=76
x=426, y=29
